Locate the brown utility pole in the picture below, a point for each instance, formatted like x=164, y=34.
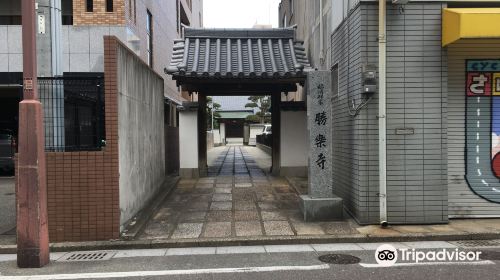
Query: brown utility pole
x=32, y=228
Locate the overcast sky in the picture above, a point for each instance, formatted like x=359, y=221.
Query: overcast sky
x=239, y=13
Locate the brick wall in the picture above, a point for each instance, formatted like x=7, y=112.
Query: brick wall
x=83, y=190
x=99, y=16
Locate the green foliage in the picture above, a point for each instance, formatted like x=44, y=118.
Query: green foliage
x=263, y=103
x=212, y=107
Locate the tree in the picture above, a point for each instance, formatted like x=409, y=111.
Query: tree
x=212, y=107
x=263, y=103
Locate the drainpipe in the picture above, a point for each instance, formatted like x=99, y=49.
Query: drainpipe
x=382, y=148
x=56, y=33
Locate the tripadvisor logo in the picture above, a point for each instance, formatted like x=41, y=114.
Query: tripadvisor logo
x=387, y=255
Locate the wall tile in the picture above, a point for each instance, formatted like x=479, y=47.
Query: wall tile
x=96, y=62
x=15, y=63
x=79, y=62
x=96, y=38
x=79, y=40
x=14, y=39
x=4, y=65
x=3, y=40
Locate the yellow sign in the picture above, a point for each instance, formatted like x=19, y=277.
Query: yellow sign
x=496, y=83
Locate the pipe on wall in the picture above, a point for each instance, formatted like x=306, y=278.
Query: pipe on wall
x=382, y=45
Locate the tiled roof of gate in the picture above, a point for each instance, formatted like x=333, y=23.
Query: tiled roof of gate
x=238, y=53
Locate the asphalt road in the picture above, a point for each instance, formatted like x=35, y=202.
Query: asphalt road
x=256, y=262
x=7, y=204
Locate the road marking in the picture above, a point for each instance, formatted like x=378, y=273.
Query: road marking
x=478, y=124
x=479, y=172
x=477, y=160
x=478, y=112
x=477, y=149
x=376, y=265
x=166, y=272
x=495, y=189
x=484, y=182
x=477, y=136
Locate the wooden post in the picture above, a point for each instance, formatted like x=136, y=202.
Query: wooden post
x=276, y=128
x=31, y=185
x=202, y=134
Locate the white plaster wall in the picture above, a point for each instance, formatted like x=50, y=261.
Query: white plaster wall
x=222, y=130
x=255, y=129
x=294, y=141
x=188, y=139
x=217, y=139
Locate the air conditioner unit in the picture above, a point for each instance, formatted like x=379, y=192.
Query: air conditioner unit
x=400, y=2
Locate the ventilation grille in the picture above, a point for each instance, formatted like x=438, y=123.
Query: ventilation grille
x=477, y=243
x=87, y=256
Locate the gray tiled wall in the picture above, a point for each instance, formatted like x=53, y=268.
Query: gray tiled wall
x=416, y=99
x=11, y=58
x=83, y=46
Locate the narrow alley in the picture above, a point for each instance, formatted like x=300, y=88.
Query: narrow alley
x=238, y=199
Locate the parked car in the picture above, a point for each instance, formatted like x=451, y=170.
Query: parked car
x=266, y=137
x=267, y=129
x=7, y=151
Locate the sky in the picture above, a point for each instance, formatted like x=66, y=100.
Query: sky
x=239, y=13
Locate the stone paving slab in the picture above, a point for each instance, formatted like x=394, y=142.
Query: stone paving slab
x=278, y=228
x=248, y=228
x=217, y=229
x=187, y=230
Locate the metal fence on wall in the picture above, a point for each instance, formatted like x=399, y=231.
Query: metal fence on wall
x=73, y=113
x=265, y=139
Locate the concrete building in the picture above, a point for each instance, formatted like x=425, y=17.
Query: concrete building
x=442, y=78
x=101, y=64
x=71, y=39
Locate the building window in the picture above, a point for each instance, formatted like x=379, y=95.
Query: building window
x=67, y=12
x=335, y=80
x=90, y=6
x=135, y=12
x=177, y=15
x=149, y=31
x=131, y=10
x=109, y=6
x=183, y=18
x=10, y=20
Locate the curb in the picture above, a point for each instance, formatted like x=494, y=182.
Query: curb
x=289, y=240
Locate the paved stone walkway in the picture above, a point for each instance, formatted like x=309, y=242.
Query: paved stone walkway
x=238, y=199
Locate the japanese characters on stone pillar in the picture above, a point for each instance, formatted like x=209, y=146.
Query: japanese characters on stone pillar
x=320, y=134
x=320, y=204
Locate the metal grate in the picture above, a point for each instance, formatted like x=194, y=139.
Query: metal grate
x=73, y=113
x=87, y=256
x=477, y=243
x=490, y=255
x=339, y=259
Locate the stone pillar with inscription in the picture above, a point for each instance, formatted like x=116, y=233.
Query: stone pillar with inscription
x=320, y=204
